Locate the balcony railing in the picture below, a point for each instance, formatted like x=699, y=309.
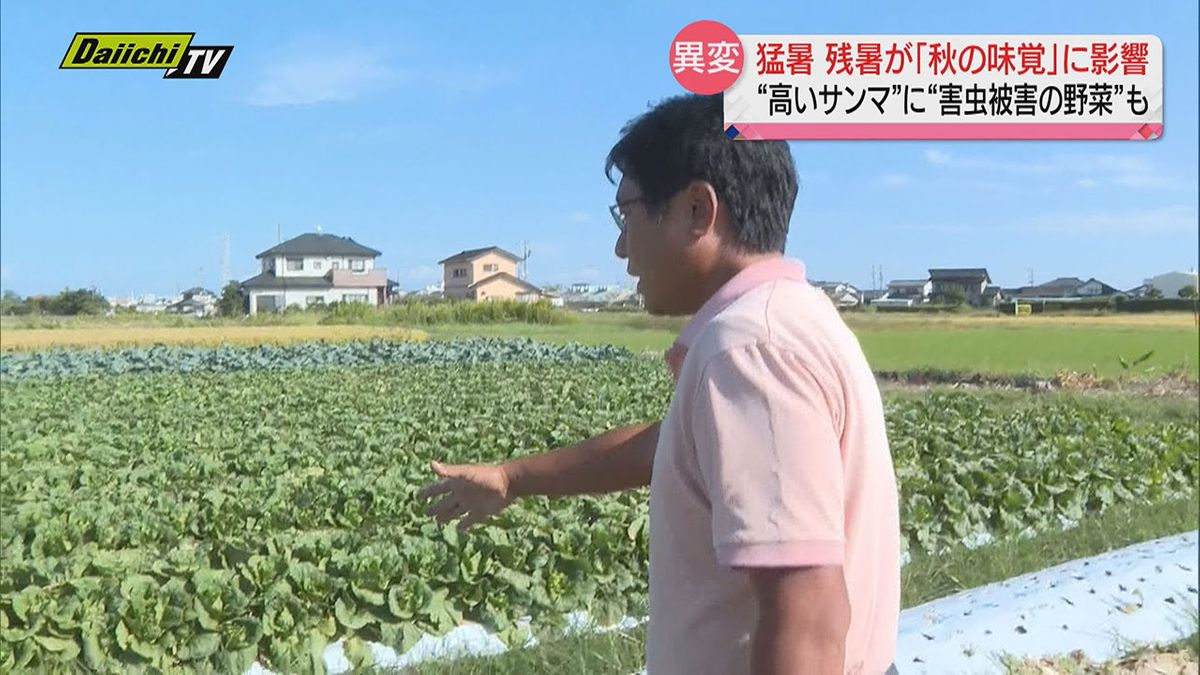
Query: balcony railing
x=367, y=279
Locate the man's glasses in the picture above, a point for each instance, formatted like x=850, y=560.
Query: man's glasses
x=615, y=210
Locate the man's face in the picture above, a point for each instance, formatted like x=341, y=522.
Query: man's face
x=653, y=249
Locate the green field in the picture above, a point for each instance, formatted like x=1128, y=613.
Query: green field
x=1033, y=346
x=200, y=508
x=205, y=509
x=970, y=343
x=925, y=578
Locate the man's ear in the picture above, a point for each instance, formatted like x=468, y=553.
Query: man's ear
x=702, y=207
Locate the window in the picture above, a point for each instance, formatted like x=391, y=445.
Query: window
x=337, y=264
x=358, y=264
x=295, y=264
x=311, y=300
x=316, y=264
x=491, y=267
x=354, y=297
x=458, y=273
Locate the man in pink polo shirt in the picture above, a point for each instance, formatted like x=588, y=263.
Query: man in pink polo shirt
x=774, y=526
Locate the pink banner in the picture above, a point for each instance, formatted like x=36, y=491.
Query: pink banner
x=946, y=132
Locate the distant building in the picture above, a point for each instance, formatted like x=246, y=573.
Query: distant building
x=1171, y=283
x=316, y=269
x=598, y=297
x=972, y=282
x=486, y=274
x=1064, y=288
x=841, y=293
x=196, y=302
x=871, y=295
x=916, y=291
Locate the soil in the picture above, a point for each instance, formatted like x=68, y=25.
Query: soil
x=1168, y=662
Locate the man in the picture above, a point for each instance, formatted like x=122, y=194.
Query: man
x=774, y=527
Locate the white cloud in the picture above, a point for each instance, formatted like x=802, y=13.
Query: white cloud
x=1163, y=220
x=1131, y=222
x=937, y=157
x=323, y=77
x=1116, y=170
x=1145, y=181
x=893, y=180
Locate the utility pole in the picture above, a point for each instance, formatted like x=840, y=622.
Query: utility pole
x=525, y=253
x=225, y=273
x=1195, y=296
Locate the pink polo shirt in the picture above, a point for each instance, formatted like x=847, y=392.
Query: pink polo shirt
x=773, y=454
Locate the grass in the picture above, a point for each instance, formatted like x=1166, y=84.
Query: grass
x=1040, y=346
x=1037, y=349
x=925, y=578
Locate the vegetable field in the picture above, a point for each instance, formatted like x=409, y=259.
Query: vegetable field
x=203, y=509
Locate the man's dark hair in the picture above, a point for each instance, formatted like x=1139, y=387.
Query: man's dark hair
x=682, y=140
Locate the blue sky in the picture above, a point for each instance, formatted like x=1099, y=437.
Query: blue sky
x=421, y=131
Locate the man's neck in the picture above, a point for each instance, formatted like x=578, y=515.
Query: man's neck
x=725, y=269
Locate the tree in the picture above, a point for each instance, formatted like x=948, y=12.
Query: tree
x=11, y=303
x=1187, y=291
x=954, y=296
x=233, y=300
x=72, y=302
x=1154, y=293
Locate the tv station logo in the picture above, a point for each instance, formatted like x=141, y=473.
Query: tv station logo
x=174, y=53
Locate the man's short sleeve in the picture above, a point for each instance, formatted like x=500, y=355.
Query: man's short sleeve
x=769, y=456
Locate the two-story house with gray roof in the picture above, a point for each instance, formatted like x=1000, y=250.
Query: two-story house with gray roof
x=315, y=269
x=973, y=282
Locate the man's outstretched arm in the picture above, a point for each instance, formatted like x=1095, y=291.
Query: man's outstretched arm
x=620, y=459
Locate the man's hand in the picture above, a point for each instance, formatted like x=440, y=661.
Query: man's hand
x=474, y=492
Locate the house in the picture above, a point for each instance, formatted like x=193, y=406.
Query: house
x=1138, y=291
x=1094, y=288
x=841, y=293
x=486, y=274
x=872, y=294
x=972, y=282
x=315, y=269
x=915, y=291
x=608, y=297
x=151, y=304
x=196, y=301
x=1171, y=283
x=1064, y=288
